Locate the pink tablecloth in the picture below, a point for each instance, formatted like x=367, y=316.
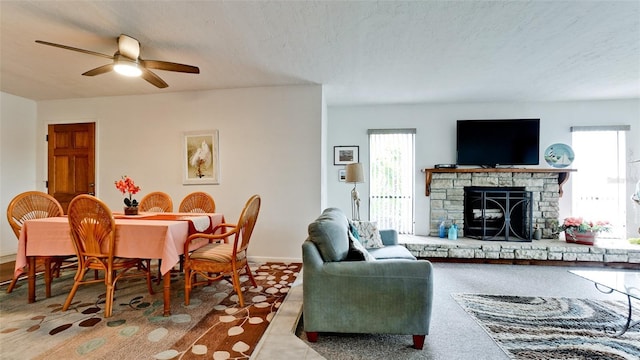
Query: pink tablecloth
x=136, y=237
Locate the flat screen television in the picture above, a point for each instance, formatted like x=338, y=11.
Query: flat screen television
x=492, y=143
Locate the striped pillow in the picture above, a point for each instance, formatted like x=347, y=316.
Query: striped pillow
x=216, y=252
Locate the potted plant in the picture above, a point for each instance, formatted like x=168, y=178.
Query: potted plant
x=578, y=230
x=126, y=185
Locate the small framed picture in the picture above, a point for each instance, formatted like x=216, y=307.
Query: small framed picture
x=342, y=175
x=201, y=160
x=343, y=155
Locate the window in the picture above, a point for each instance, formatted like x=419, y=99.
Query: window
x=391, y=170
x=599, y=184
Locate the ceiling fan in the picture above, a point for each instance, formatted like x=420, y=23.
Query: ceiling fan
x=127, y=61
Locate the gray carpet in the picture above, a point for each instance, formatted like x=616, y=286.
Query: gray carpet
x=453, y=333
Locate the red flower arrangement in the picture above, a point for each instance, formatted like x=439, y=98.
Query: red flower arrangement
x=127, y=185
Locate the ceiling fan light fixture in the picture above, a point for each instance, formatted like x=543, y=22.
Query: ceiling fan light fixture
x=126, y=61
x=126, y=67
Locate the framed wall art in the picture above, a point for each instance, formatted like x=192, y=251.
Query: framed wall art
x=342, y=175
x=201, y=158
x=343, y=155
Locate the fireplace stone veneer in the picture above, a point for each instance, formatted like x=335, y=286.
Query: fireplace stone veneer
x=446, y=190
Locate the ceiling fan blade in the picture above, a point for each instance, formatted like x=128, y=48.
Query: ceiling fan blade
x=99, y=70
x=128, y=46
x=153, y=78
x=170, y=66
x=74, y=49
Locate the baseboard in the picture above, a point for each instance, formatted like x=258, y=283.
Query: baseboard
x=614, y=265
x=7, y=258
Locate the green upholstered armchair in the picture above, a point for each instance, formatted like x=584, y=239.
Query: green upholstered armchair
x=385, y=295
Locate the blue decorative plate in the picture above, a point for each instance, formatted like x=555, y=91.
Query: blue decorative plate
x=559, y=155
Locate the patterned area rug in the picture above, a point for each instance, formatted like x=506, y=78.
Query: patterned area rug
x=554, y=328
x=213, y=326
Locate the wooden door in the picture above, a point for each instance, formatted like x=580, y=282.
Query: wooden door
x=71, y=161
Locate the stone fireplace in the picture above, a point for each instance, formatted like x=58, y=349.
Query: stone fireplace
x=445, y=187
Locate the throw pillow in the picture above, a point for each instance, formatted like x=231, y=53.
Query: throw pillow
x=353, y=230
x=357, y=252
x=369, y=234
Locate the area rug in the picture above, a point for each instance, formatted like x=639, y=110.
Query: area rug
x=213, y=326
x=554, y=328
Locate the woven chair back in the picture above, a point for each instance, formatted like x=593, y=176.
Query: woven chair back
x=198, y=202
x=247, y=222
x=92, y=228
x=157, y=201
x=31, y=205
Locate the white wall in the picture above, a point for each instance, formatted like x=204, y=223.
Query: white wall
x=17, y=156
x=269, y=144
x=435, y=139
x=275, y=141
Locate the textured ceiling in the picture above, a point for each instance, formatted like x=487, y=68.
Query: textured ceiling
x=364, y=52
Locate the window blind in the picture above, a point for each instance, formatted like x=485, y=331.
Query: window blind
x=391, y=170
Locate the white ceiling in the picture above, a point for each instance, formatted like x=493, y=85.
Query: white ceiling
x=364, y=52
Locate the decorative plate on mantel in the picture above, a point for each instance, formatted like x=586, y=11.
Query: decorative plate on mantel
x=559, y=155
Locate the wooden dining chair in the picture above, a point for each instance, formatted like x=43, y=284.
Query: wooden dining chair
x=93, y=232
x=156, y=201
x=197, y=202
x=36, y=205
x=219, y=259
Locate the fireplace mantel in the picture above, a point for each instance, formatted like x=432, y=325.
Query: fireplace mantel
x=563, y=174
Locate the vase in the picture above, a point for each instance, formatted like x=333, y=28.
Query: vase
x=131, y=210
x=537, y=234
x=584, y=238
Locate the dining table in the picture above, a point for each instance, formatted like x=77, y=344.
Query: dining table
x=144, y=236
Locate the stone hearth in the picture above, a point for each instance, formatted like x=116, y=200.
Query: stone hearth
x=606, y=252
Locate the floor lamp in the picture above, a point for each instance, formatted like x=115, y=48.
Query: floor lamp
x=355, y=175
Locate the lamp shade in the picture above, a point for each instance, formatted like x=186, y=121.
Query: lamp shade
x=354, y=173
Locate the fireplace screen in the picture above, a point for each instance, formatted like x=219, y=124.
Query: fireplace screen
x=498, y=213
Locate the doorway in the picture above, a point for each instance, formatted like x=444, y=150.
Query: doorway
x=70, y=161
